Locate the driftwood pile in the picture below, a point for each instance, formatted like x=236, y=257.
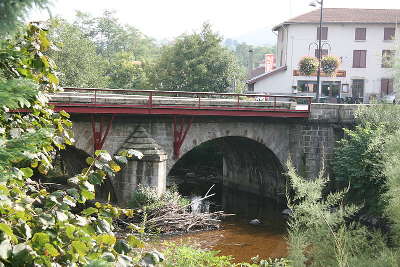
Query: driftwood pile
x=174, y=218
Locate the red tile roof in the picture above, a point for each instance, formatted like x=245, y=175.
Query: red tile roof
x=347, y=15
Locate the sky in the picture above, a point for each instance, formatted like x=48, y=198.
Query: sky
x=166, y=19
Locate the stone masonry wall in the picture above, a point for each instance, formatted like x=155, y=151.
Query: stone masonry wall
x=307, y=142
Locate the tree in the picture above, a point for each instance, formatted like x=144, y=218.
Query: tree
x=196, y=62
x=124, y=72
x=242, y=54
x=12, y=12
x=38, y=227
x=78, y=62
x=100, y=52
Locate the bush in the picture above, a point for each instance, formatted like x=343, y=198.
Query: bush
x=186, y=256
x=145, y=197
x=359, y=157
x=308, y=65
x=320, y=229
x=358, y=163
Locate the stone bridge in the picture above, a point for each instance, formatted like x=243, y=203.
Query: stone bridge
x=255, y=149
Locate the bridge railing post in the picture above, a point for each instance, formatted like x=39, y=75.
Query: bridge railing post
x=199, y=97
x=238, y=100
x=150, y=101
x=95, y=97
x=274, y=103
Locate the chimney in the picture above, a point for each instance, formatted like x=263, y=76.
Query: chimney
x=250, y=66
x=269, y=62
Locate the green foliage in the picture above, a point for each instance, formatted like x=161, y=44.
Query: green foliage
x=308, y=65
x=146, y=198
x=100, y=52
x=77, y=59
x=241, y=51
x=196, y=62
x=38, y=227
x=111, y=37
x=13, y=12
x=358, y=164
x=359, y=156
x=392, y=196
x=23, y=57
x=186, y=256
x=124, y=72
x=320, y=231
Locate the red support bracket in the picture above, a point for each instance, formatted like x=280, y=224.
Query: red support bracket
x=180, y=134
x=99, y=133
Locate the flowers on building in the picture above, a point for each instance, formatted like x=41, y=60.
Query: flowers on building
x=329, y=64
x=308, y=65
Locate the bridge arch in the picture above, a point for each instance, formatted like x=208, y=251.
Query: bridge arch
x=247, y=165
x=74, y=161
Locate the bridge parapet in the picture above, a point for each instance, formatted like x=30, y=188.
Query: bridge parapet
x=333, y=113
x=118, y=101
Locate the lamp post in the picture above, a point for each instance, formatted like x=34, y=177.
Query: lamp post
x=314, y=4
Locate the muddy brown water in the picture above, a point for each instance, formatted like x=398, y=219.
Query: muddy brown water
x=237, y=237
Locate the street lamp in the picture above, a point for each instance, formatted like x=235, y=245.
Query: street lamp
x=314, y=4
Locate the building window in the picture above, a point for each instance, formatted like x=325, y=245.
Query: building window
x=250, y=87
x=386, y=87
x=324, y=33
x=357, y=88
x=387, y=58
x=330, y=88
x=361, y=34
x=306, y=86
x=324, y=52
x=359, y=58
x=389, y=34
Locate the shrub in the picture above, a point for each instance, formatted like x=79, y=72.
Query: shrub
x=359, y=157
x=308, y=65
x=145, y=197
x=38, y=227
x=186, y=256
x=320, y=229
x=329, y=64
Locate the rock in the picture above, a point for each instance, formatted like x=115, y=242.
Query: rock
x=255, y=222
x=286, y=212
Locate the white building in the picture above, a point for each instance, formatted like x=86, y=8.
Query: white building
x=363, y=39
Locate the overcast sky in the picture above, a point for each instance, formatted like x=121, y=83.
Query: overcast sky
x=165, y=19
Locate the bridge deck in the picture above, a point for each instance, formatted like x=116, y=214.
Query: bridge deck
x=109, y=101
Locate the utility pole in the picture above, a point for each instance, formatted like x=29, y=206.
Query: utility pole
x=321, y=2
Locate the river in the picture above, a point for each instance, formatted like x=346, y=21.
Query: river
x=237, y=237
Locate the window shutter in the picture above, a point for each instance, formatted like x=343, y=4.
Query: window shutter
x=390, y=86
x=361, y=34
x=363, y=58
x=359, y=58
x=356, y=58
x=389, y=33
x=324, y=33
x=384, y=86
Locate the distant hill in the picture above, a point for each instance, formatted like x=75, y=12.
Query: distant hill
x=258, y=37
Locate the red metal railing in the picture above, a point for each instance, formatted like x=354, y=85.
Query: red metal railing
x=275, y=105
